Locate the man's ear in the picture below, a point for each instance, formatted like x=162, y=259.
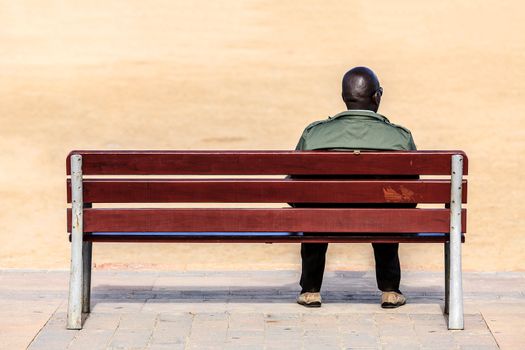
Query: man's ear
x=377, y=97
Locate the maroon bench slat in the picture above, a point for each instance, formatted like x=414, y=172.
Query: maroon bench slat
x=156, y=238
x=266, y=191
x=267, y=220
x=266, y=162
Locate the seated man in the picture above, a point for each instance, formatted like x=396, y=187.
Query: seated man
x=358, y=128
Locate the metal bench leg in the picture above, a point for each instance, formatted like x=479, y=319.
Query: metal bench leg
x=74, y=310
x=87, y=248
x=455, y=315
x=447, y=276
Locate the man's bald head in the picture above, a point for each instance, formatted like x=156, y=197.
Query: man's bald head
x=361, y=89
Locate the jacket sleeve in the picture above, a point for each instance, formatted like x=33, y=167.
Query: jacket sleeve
x=300, y=144
x=416, y=177
x=412, y=144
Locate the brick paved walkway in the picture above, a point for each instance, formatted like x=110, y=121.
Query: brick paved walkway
x=256, y=310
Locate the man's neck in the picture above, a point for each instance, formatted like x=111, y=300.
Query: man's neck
x=363, y=108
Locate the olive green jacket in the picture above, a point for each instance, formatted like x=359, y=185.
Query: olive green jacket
x=356, y=130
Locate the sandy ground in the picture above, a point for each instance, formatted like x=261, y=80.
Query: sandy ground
x=251, y=75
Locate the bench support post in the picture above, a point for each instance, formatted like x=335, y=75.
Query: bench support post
x=87, y=248
x=74, y=310
x=446, y=247
x=455, y=308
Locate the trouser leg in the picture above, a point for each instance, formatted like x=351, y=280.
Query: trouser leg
x=447, y=277
x=313, y=257
x=87, y=248
x=388, y=270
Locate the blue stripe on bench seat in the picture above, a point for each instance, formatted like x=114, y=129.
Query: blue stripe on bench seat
x=425, y=234
x=172, y=234
x=264, y=237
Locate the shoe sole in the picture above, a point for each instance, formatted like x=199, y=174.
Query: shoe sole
x=392, y=306
x=314, y=304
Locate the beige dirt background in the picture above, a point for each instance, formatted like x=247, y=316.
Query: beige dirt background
x=251, y=75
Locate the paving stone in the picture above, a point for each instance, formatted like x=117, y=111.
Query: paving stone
x=263, y=307
x=322, y=340
x=168, y=346
x=442, y=341
x=53, y=339
x=137, y=321
x=166, y=337
x=283, y=343
x=116, y=306
x=468, y=339
x=92, y=339
x=399, y=341
x=102, y=321
x=398, y=330
x=321, y=333
x=233, y=346
x=361, y=330
x=246, y=321
x=177, y=329
x=239, y=336
x=171, y=331
x=242, y=340
x=183, y=305
x=130, y=339
x=57, y=321
x=198, y=346
x=359, y=341
x=404, y=346
x=507, y=326
x=175, y=317
x=205, y=343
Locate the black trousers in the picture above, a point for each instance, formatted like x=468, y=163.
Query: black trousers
x=388, y=271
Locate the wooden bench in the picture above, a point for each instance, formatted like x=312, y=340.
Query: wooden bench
x=96, y=177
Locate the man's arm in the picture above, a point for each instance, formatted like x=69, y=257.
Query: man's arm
x=412, y=146
x=299, y=147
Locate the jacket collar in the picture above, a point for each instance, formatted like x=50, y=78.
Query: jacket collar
x=361, y=113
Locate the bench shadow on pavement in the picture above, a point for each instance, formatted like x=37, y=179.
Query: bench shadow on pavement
x=285, y=293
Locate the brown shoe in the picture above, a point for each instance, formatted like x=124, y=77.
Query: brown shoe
x=309, y=299
x=390, y=300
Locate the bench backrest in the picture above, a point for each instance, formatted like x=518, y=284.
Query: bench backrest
x=133, y=177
